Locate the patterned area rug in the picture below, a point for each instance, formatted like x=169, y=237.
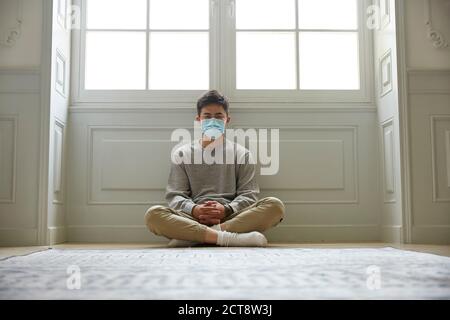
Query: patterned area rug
x=226, y=273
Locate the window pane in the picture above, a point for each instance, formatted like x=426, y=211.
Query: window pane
x=265, y=14
x=116, y=14
x=329, y=60
x=179, y=14
x=115, y=60
x=327, y=14
x=265, y=60
x=179, y=60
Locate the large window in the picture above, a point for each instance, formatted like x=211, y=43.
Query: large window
x=315, y=41
x=140, y=44
x=252, y=50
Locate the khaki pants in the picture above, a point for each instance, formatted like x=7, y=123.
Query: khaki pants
x=174, y=224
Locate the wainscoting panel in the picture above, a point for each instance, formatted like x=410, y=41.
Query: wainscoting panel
x=19, y=155
x=58, y=161
x=118, y=166
x=122, y=164
x=429, y=102
x=388, y=161
x=8, y=138
x=317, y=165
x=440, y=148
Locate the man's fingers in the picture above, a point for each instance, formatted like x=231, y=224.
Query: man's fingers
x=213, y=215
x=211, y=203
x=212, y=210
x=209, y=210
x=209, y=221
x=209, y=216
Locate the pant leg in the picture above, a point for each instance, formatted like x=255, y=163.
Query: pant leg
x=173, y=224
x=260, y=216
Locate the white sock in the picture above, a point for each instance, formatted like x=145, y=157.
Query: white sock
x=189, y=243
x=248, y=239
x=174, y=243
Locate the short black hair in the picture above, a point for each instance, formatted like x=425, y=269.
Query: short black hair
x=212, y=97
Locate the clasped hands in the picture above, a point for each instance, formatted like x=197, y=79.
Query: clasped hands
x=209, y=213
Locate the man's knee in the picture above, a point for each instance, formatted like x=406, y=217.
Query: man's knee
x=275, y=207
x=153, y=215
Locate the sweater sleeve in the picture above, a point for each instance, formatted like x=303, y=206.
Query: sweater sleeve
x=247, y=188
x=178, y=190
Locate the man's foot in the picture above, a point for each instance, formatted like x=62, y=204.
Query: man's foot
x=248, y=239
x=175, y=243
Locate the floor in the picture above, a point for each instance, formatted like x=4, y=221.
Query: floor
x=443, y=250
x=280, y=271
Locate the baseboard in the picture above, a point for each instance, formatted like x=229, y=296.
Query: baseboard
x=392, y=234
x=324, y=233
x=112, y=233
x=431, y=234
x=11, y=237
x=56, y=235
x=281, y=233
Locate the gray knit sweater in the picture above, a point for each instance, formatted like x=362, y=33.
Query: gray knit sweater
x=231, y=182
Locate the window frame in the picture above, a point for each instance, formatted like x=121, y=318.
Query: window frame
x=222, y=68
x=81, y=95
x=363, y=95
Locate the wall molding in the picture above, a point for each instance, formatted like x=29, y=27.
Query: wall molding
x=234, y=108
x=20, y=80
x=436, y=37
x=385, y=69
x=385, y=13
x=435, y=186
x=90, y=161
x=61, y=13
x=386, y=191
x=14, y=120
x=58, y=164
x=428, y=81
x=10, y=36
x=355, y=167
x=44, y=119
x=60, y=73
x=404, y=125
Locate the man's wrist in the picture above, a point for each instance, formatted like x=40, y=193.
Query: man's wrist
x=192, y=209
x=228, y=210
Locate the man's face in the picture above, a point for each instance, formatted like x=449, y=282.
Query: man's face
x=213, y=111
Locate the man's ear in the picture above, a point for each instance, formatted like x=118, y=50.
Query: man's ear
x=197, y=118
x=228, y=120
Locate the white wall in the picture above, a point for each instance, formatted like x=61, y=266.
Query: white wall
x=27, y=50
x=59, y=91
x=20, y=129
x=428, y=104
x=33, y=117
x=387, y=95
x=420, y=52
x=332, y=176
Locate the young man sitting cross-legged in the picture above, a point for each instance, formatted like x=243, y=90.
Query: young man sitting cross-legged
x=214, y=203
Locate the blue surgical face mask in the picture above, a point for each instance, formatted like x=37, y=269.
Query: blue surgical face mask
x=213, y=128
